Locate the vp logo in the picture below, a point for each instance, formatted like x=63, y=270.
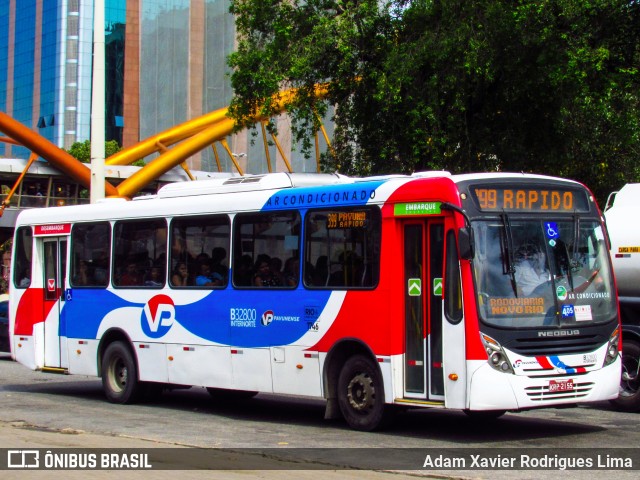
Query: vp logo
x=157, y=316
x=267, y=317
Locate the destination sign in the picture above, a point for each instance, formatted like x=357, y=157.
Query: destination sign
x=350, y=219
x=52, y=230
x=530, y=199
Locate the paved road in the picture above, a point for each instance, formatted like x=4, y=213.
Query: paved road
x=49, y=411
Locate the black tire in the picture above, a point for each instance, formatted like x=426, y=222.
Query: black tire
x=629, y=397
x=223, y=395
x=361, y=394
x=120, y=375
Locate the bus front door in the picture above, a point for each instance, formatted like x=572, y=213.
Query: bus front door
x=423, y=263
x=54, y=260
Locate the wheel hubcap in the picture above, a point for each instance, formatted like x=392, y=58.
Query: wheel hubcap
x=361, y=392
x=629, y=385
x=119, y=375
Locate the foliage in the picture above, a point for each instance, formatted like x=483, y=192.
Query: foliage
x=465, y=85
x=82, y=150
x=4, y=282
x=6, y=246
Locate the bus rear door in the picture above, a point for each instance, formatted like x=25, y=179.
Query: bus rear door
x=54, y=269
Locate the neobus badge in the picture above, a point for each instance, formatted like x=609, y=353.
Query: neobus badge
x=55, y=229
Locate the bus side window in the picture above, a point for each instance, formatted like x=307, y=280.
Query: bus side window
x=199, y=246
x=22, y=261
x=139, y=245
x=453, y=287
x=90, y=247
x=267, y=239
x=342, y=248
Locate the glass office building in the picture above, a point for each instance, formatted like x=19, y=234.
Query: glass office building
x=165, y=64
x=45, y=68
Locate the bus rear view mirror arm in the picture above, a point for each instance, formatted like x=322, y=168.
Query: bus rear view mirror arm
x=465, y=234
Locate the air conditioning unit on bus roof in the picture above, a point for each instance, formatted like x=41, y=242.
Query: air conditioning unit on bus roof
x=250, y=183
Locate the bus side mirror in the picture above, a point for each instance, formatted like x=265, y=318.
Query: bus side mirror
x=466, y=243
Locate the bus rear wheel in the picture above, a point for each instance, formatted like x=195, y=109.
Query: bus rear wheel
x=629, y=397
x=120, y=374
x=361, y=394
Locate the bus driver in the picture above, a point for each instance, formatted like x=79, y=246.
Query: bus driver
x=531, y=269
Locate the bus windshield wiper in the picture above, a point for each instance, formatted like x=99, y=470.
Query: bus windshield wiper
x=572, y=262
x=508, y=258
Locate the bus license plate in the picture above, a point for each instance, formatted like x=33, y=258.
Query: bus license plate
x=561, y=385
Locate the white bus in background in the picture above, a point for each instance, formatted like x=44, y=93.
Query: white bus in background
x=622, y=213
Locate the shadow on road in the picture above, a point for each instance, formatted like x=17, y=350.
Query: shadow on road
x=432, y=424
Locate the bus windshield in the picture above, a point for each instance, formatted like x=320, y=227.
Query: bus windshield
x=539, y=273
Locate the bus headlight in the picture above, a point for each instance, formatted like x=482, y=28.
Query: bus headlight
x=497, y=357
x=613, y=349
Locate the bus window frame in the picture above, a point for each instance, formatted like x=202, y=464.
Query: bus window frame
x=72, y=260
x=237, y=250
x=28, y=254
x=375, y=243
x=114, y=257
x=193, y=263
x=453, y=301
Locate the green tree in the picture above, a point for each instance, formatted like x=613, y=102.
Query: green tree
x=82, y=150
x=465, y=85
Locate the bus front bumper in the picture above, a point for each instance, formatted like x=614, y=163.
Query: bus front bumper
x=493, y=390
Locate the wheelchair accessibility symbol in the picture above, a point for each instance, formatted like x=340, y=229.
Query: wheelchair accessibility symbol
x=551, y=229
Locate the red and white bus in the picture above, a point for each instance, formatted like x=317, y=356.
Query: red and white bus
x=486, y=292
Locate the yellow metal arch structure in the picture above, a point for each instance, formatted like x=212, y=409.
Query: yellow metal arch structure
x=175, y=145
x=42, y=147
x=189, y=138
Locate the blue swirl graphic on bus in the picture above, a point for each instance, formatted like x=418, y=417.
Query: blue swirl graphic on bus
x=224, y=317
x=556, y=362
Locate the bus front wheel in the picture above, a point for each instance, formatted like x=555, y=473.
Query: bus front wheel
x=361, y=394
x=629, y=398
x=120, y=374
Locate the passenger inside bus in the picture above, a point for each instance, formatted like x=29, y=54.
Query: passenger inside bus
x=207, y=278
x=321, y=271
x=100, y=264
x=155, y=278
x=131, y=277
x=275, y=267
x=349, y=272
x=180, y=275
x=531, y=268
x=83, y=276
x=243, y=275
x=218, y=263
x=291, y=270
x=25, y=279
x=263, y=276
